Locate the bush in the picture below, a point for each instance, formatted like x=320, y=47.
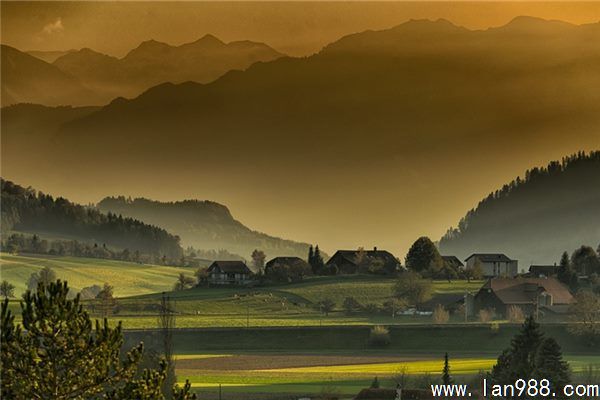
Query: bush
x=485, y=315
x=515, y=314
x=379, y=336
x=351, y=305
x=325, y=306
x=411, y=287
x=440, y=315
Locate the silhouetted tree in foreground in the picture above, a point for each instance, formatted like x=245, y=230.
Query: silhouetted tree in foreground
x=530, y=355
x=57, y=354
x=446, y=377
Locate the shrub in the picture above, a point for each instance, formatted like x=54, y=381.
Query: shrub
x=325, y=306
x=351, y=305
x=395, y=305
x=515, y=314
x=379, y=336
x=440, y=315
x=411, y=287
x=485, y=315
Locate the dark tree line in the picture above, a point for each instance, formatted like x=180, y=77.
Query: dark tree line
x=552, y=206
x=29, y=210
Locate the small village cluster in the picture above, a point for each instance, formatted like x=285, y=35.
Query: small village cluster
x=536, y=291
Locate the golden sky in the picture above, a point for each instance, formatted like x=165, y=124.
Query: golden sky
x=295, y=28
x=421, y=199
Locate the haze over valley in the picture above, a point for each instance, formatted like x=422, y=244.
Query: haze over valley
x=380, y=137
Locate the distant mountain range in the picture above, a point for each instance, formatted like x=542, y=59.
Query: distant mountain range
x=402, y=121
x=27, y=79
x=204, y=225
x=536, y=217
x=49, y=56
x=101, y=78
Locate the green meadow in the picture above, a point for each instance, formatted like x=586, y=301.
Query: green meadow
x=127, y=278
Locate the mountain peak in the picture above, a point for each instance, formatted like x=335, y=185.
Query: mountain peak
x=148, y=48
x=428, y=25
x=209, y=39
x=524, y=23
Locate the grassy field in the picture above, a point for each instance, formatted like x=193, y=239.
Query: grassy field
x=283, y=305
x=128, y=278
x=260, y=375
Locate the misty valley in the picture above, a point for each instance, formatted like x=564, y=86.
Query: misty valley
x=269, y=201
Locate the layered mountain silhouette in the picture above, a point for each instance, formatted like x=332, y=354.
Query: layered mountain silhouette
x=536, y=217
x=421, y=86
x=49, y=56
x=153, y=63
x=204, y=225
x=409, y=118
x=101, y=77
x=27, y=79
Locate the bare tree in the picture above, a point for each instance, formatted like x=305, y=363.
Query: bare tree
x=166, y=323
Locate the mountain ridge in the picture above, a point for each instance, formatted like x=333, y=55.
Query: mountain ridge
x=203, y=224
x=536, y=217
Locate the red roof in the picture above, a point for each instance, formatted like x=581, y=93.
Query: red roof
x=526, y=290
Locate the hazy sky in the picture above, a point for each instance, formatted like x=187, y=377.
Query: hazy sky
x=336, y=219
x=295, y=28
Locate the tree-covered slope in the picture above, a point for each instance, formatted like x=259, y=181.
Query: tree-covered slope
x=204, y=225
x=24, y=209
x=535, y=218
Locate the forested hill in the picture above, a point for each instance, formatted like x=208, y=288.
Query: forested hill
x=27, y=210
x=535, y=218
x=204, y=225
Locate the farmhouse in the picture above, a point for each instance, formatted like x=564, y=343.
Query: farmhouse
x=493, y=264
x=542, y=271
x=229, y=273
x=546, y=295
x=354, y=261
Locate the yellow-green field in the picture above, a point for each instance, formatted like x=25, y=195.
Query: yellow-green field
x=128, y=279
x=311, y=373
x=139, y=288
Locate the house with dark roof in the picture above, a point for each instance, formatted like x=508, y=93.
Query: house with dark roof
x=364, y=261
x=229, y=273
x=542, y=271
x=532, y=295
x=453, y=262
x=493, y=264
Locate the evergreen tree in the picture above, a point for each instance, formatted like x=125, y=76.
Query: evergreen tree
x=565, y=272
x=317, y=264
x=310, y=255
x=446, y=377
x=518, y=361
x=549, y=364
x=57, y=354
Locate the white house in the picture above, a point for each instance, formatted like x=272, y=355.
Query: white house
x=494, y=265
